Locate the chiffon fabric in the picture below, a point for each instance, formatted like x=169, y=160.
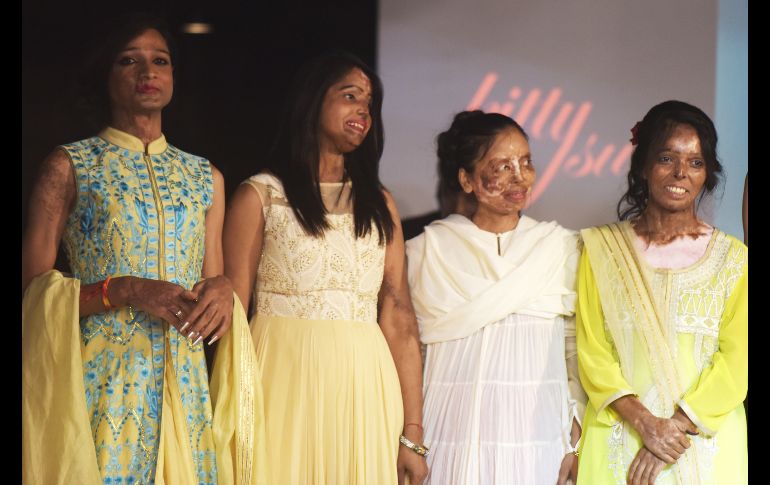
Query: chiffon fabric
x=333, y=406
x=57, y=440
x=673, y=337
x=501, y=387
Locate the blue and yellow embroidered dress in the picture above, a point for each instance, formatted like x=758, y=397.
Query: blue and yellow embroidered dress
x=142, y=212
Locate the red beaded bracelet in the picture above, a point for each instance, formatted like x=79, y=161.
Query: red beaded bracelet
x=413, y=424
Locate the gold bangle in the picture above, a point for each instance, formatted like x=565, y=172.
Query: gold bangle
x=573, y=450
x=419, y=449
x=105, y=300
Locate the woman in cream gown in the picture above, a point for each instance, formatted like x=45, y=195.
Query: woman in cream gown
x=316, y=242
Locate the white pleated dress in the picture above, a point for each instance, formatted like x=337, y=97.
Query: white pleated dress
x=497, y=404
x=498, y=407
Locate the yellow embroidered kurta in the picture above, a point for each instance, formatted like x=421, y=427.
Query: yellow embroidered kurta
x=703, y=310
x=57, y=443
x=138, y=212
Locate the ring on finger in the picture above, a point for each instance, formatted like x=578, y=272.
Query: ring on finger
x=178, y=314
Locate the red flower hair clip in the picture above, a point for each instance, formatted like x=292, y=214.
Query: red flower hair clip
x=635, y=134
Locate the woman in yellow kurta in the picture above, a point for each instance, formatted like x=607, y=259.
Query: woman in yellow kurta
x=662, y=320
x=114, y=378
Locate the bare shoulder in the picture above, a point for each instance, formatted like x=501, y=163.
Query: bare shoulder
x=246, y=196
x=216, y=173
x=57, y=166
x=219, y=181
x=56, y=178
x=391, y=203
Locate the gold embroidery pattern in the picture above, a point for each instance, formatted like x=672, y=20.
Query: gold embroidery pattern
x=116, y=425
x=247, y=411
x=334, y=278
x=116, y=235
x=117, y=228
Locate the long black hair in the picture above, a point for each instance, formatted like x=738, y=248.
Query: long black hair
x=111, y=38
x=295, y=156
x=654, y=129
x=466, y=142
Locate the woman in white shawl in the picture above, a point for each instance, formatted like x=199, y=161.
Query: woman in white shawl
x=495, y=299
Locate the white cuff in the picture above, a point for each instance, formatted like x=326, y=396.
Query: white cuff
x=614, y=398
x=574, y=413
x=694, y=418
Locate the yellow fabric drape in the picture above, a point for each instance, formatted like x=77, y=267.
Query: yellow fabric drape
x=598, y=367
x=236, y=394
x=57, y=442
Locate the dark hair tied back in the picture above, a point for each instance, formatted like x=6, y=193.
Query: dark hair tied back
x=467, y=141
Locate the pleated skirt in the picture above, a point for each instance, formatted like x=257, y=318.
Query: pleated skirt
x=333, y=408
x=496, y=407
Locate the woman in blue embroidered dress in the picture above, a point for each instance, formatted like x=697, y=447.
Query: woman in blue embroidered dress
x=141, y=224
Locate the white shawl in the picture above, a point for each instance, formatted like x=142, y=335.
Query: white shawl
x=458, y=285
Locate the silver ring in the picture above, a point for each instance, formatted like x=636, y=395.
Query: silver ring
x=178, y=314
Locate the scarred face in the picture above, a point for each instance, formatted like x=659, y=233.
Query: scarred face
x=502, y=179
x=141, y=80
x=345, y=120
x=676, y=171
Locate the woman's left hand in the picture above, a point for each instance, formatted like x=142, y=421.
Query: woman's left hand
x=213, y=312
x=645, y=468
x=411, y=465
x=568, y=469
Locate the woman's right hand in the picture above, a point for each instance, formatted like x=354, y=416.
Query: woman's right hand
x=665, y=438
x=161, y=299
x=644, y=469
x=568, y=470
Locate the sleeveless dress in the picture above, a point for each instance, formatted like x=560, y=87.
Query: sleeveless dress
x=333, y=407
x=141, y=213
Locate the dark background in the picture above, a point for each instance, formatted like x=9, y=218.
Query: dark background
x=230, y=85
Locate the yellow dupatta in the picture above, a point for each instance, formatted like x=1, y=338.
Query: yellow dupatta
x=632, y=312
x=57, y=445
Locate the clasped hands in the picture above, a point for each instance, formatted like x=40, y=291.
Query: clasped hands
x=665, y=440
x=204, y=310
